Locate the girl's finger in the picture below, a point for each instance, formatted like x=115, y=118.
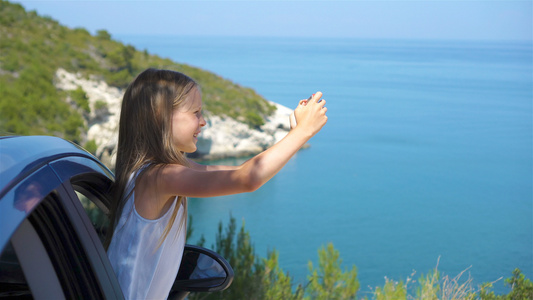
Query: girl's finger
x=316, y=97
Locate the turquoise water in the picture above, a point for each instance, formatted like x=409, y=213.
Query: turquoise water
x=427, y=153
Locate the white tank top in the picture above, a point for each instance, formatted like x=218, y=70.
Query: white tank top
x=144, y=270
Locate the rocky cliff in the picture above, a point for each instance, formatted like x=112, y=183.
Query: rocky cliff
x=222, y=136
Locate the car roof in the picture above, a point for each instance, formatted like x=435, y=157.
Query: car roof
x=24, y=159
x=22, y=155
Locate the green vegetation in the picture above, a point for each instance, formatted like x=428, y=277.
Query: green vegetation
x=91, y=147
x=80, y=99
x=521, y=288
x=328, y=281
x=33, y=47
x=263, y=278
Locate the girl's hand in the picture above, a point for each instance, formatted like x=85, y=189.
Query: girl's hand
x=310, y=114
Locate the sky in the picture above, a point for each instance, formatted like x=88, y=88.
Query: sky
x=430, y=19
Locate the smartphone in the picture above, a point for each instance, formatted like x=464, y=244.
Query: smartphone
x=310, y=97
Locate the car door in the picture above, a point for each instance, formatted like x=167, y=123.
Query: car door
x=55, y=253
x=87, y=184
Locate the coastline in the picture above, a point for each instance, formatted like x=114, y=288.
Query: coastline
x=230, y=139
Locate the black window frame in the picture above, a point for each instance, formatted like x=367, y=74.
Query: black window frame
x=86, y=175
x=65, y=248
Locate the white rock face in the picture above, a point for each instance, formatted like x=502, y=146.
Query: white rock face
x=222, y=136
x=225, y=137
x=102, y=123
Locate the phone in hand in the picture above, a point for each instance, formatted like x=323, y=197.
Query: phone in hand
x=292, y=117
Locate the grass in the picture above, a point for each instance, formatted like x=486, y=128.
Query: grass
x=432, y=286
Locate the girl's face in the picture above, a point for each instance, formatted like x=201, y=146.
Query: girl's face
x=187, y=121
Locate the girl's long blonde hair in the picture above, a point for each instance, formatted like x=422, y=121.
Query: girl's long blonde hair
x=145, y=134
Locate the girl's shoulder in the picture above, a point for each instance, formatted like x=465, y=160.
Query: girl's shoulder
x=152, y=196
x=158, y=175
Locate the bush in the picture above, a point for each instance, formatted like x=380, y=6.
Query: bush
x=80, y=99
x=521, y=288
x=254, y=120
x=103, y=35
x=91, y=147
x=328, y=281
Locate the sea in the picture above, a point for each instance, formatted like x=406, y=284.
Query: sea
x=425, y=161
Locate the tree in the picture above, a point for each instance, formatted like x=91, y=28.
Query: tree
x=328, y=281
x=238, y=250
x=391, y=290
x=276, y=283
x=103, y=35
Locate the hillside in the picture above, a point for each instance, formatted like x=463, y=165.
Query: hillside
x=33, y=48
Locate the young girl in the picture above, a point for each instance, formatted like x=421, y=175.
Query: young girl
x=160, y=121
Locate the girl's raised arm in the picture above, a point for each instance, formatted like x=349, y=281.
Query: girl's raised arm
x=210, y=181
x=199, y=167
